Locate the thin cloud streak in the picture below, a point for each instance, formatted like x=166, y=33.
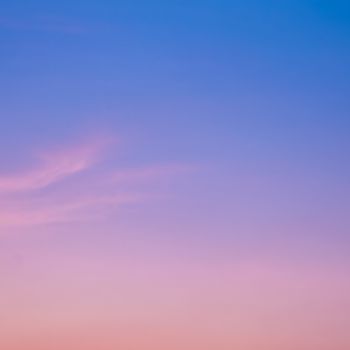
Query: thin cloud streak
x=27, y=199
x=54, y=167
x=27, y=213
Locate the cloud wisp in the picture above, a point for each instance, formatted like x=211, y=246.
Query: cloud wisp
x=53, y=167
x=26, y=212
x=33, y=197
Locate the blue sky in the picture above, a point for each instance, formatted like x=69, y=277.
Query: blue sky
x=261, y=82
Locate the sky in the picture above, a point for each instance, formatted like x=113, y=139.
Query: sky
x=174, y=175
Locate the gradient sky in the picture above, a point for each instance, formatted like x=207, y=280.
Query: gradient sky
x=174, y=175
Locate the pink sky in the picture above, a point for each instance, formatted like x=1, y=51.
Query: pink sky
x=144, y=294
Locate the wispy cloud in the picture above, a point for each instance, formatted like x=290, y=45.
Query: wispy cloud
x=26, y=212
x=30, y=198
x=54, y=166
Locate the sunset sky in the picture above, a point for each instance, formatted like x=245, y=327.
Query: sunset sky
x=174, y=175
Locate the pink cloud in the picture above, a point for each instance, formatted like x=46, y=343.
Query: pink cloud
x=27, y=198
x=28, y=212
x=53, y=167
